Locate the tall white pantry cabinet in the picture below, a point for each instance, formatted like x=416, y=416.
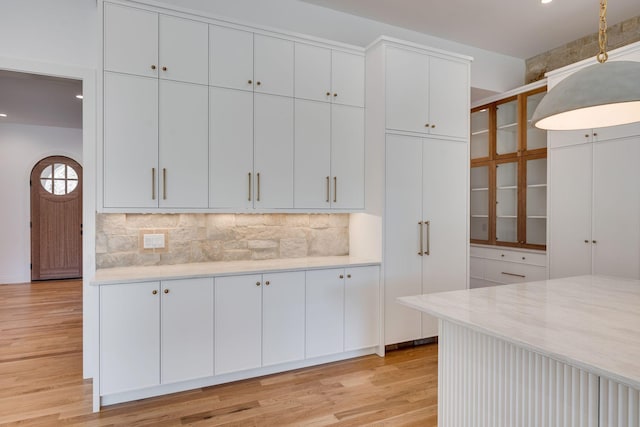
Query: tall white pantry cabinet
x=418, y=133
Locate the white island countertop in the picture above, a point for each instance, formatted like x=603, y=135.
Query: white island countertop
x=591, y=322
x=223, y=268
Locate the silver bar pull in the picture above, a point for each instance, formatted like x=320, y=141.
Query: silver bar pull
x=153, y=183
x=428, y=223
x=164, y=183
x=513, y=274
x=421, y=243
x=335, y=189
x=328, y=190
x=249, y=199
x=258, y=195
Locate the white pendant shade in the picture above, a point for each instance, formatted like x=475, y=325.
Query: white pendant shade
x=597, y=96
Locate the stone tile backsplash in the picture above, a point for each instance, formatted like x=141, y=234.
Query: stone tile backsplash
x=218, y=237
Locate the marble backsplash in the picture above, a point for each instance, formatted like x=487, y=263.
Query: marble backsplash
x=218, y=237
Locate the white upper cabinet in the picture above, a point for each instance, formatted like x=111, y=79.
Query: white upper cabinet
x=347, y=157
x=183, y=145
x=149, y=44
x=347, y=79
x=322, y=74
x=426, y=94
x=273, y=65
x=183, y=50
x=230, y=148
x=130, y=141
x=230, y=58
x=273, y=150
x=130, y=40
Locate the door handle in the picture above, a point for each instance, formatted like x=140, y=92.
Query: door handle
x=421, y=242
x=428, y=251
x=164, y=183
x=335, y=189
x=328, y=190
x=258, y=195
x=249, y=187
x=153, y=183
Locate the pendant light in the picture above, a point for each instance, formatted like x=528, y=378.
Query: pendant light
x=604, y=94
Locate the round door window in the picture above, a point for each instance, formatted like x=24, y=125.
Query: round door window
x=59, y=179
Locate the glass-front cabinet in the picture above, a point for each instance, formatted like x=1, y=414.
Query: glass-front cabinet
x=509, y=173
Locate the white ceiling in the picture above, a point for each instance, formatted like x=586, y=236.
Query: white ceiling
x=40, y=100
x=519, y=28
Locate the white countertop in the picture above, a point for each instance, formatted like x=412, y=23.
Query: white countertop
x=222, y=268
x=591, y=322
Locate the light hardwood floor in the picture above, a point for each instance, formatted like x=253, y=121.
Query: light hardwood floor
x=41, y=380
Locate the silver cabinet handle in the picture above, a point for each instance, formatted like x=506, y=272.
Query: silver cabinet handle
x=513, y=274
x=428, y=223
x=335, y=189
x=258, y=195
x=421, y=243
x=328, y=190
x=249, y=186
x=164, y=183
x=153, y=183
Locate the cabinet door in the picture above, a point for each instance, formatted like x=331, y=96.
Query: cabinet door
x=183, y=145
x=187, y=329
x=407, y=91
x=448, y=98
x=312, y=154
x=230, y=148
x=324, y=312
x=403, y=262
x=130, y=141
x=283, y=317
x=184, y=50
x=129, y=337
x=312, y=72
x=130, y=40
x=347, y=79
x=347, y=157
x=361, y=308
x=273, y=65
x=444, y=209
x=273, y=148
x=238, y=323
x=616, y=208
x=230, y=58
x=570, y=192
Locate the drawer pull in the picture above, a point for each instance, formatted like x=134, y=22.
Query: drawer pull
x=513, y=274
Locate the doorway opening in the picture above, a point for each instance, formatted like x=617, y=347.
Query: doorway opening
x=56, y=219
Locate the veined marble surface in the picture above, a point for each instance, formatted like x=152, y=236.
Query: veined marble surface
x=591, y=322
x=223, y=268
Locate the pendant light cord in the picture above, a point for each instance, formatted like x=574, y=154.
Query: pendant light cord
x=602, y=33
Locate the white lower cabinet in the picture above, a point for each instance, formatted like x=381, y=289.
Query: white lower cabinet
x=238, y=330
x=259, y=320
x=155, y=333
x=183, y=333
x=129, y=337
x=503, y=266
x=187, y=329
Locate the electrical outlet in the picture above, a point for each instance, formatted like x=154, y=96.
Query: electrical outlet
x=153, y=241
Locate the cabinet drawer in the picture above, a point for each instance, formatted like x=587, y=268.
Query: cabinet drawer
x=476, y=267
x=511, y=272
x=524, y=257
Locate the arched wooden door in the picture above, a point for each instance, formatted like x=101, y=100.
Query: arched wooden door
x=56, y=219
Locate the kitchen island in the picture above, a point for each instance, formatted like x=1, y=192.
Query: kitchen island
x=561, y=352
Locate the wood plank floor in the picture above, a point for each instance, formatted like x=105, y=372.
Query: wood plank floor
x=41, y=380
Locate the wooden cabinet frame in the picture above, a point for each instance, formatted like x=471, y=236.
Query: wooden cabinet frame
x=520, y=157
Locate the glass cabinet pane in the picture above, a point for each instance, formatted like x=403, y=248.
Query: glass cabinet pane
x=480, y=134
x=507, y=127
x=480, y=203
x=507, y=202
x=537, y=201
x=536, y=138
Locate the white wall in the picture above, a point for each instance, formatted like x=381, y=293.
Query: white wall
x=21, y=147
x=489, y=70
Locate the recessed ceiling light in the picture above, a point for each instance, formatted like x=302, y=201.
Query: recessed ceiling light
x=79, y=96
x=545, y=1
x=3, y=115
